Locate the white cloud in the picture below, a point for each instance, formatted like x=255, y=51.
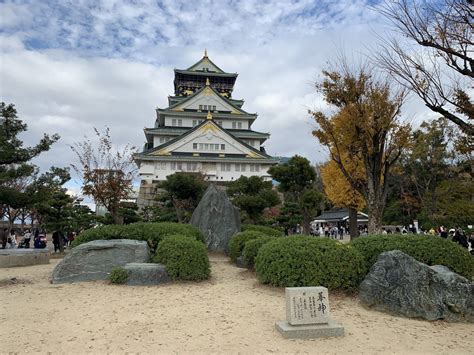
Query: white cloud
x=111, y=63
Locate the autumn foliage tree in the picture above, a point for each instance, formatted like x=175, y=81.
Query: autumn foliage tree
x=366, y=126
x=340, y=192
x=107, y=173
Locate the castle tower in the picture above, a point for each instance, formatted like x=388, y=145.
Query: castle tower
x=204, y=130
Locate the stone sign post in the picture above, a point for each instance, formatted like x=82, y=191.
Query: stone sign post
x=308, y=314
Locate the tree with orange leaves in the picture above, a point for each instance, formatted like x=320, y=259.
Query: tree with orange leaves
x=340, y=192
x=365, y=127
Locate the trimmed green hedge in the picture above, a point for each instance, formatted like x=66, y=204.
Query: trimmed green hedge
x=153, y=233
x=271, y=232
x=251, y=248
x=431, y=250
x=309, y=261
x=185, y=258
x=237, y=242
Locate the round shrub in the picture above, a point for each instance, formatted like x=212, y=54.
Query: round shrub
x=152, y=233
x=431, y=250
x=237, y=242
x=251, y=248
x=309, y=261
x=119, y=276
x=271, y=232
x=185, y=258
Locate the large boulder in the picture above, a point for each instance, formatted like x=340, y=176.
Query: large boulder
x=217, y=218
x=400, y=285
x=146, y=274
x=95, y=260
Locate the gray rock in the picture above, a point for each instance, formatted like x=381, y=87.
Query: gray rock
x=239, y=262
x=95, y=260
x=400, y=285
x=146, y=274
x=217, y=219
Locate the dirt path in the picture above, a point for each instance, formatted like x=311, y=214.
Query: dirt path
x=231, y=313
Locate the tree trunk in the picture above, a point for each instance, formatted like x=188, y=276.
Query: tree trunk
x=115, y=216
x=375, y=218
x=306, y=222
x=353, y=230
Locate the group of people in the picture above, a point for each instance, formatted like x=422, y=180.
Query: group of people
x=457, y=235
x=11, y=240
x=18, y=239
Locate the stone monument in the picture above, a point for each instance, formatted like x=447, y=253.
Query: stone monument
x=308, y=314
x=217, y=218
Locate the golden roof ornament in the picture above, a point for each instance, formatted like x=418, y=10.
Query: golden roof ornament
x=207, y=82
x=209, y=115
x=205, y=53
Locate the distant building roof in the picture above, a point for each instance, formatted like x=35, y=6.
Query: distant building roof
x=339, y=215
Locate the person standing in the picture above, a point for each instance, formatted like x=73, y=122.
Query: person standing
x=56, y=241
x=13, y=241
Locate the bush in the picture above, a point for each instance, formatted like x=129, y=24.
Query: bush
x=309, y=261
x=430, y=250
x=119, y=275
x=237, y=242
x=251, y=248
x=185, y=258
x=271, y=232
x=152, y=233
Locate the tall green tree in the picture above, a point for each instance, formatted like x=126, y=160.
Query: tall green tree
x=184, y=191
x=252, y=195
x=297, y=179
x=16, y=169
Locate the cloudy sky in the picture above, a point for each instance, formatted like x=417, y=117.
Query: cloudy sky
x=70, y=66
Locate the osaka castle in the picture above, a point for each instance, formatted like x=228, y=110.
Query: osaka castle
x=203, y=130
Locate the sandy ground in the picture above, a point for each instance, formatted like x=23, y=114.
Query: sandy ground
x=231, y=313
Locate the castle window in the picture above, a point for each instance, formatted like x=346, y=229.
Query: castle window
x=200, y=107
x=234, y=125
x=179, y=166
x=239, y=125
x=222, y=146
x=173, y=122
x=180, y=123
x=195, y=146
x=213, y=108
x=254, y=167
x=173, y=166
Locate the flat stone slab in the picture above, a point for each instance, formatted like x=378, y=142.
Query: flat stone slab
x=23, y=257
x=146, y=274
x=307, y=305
x=310, y=331
x=95, y=260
